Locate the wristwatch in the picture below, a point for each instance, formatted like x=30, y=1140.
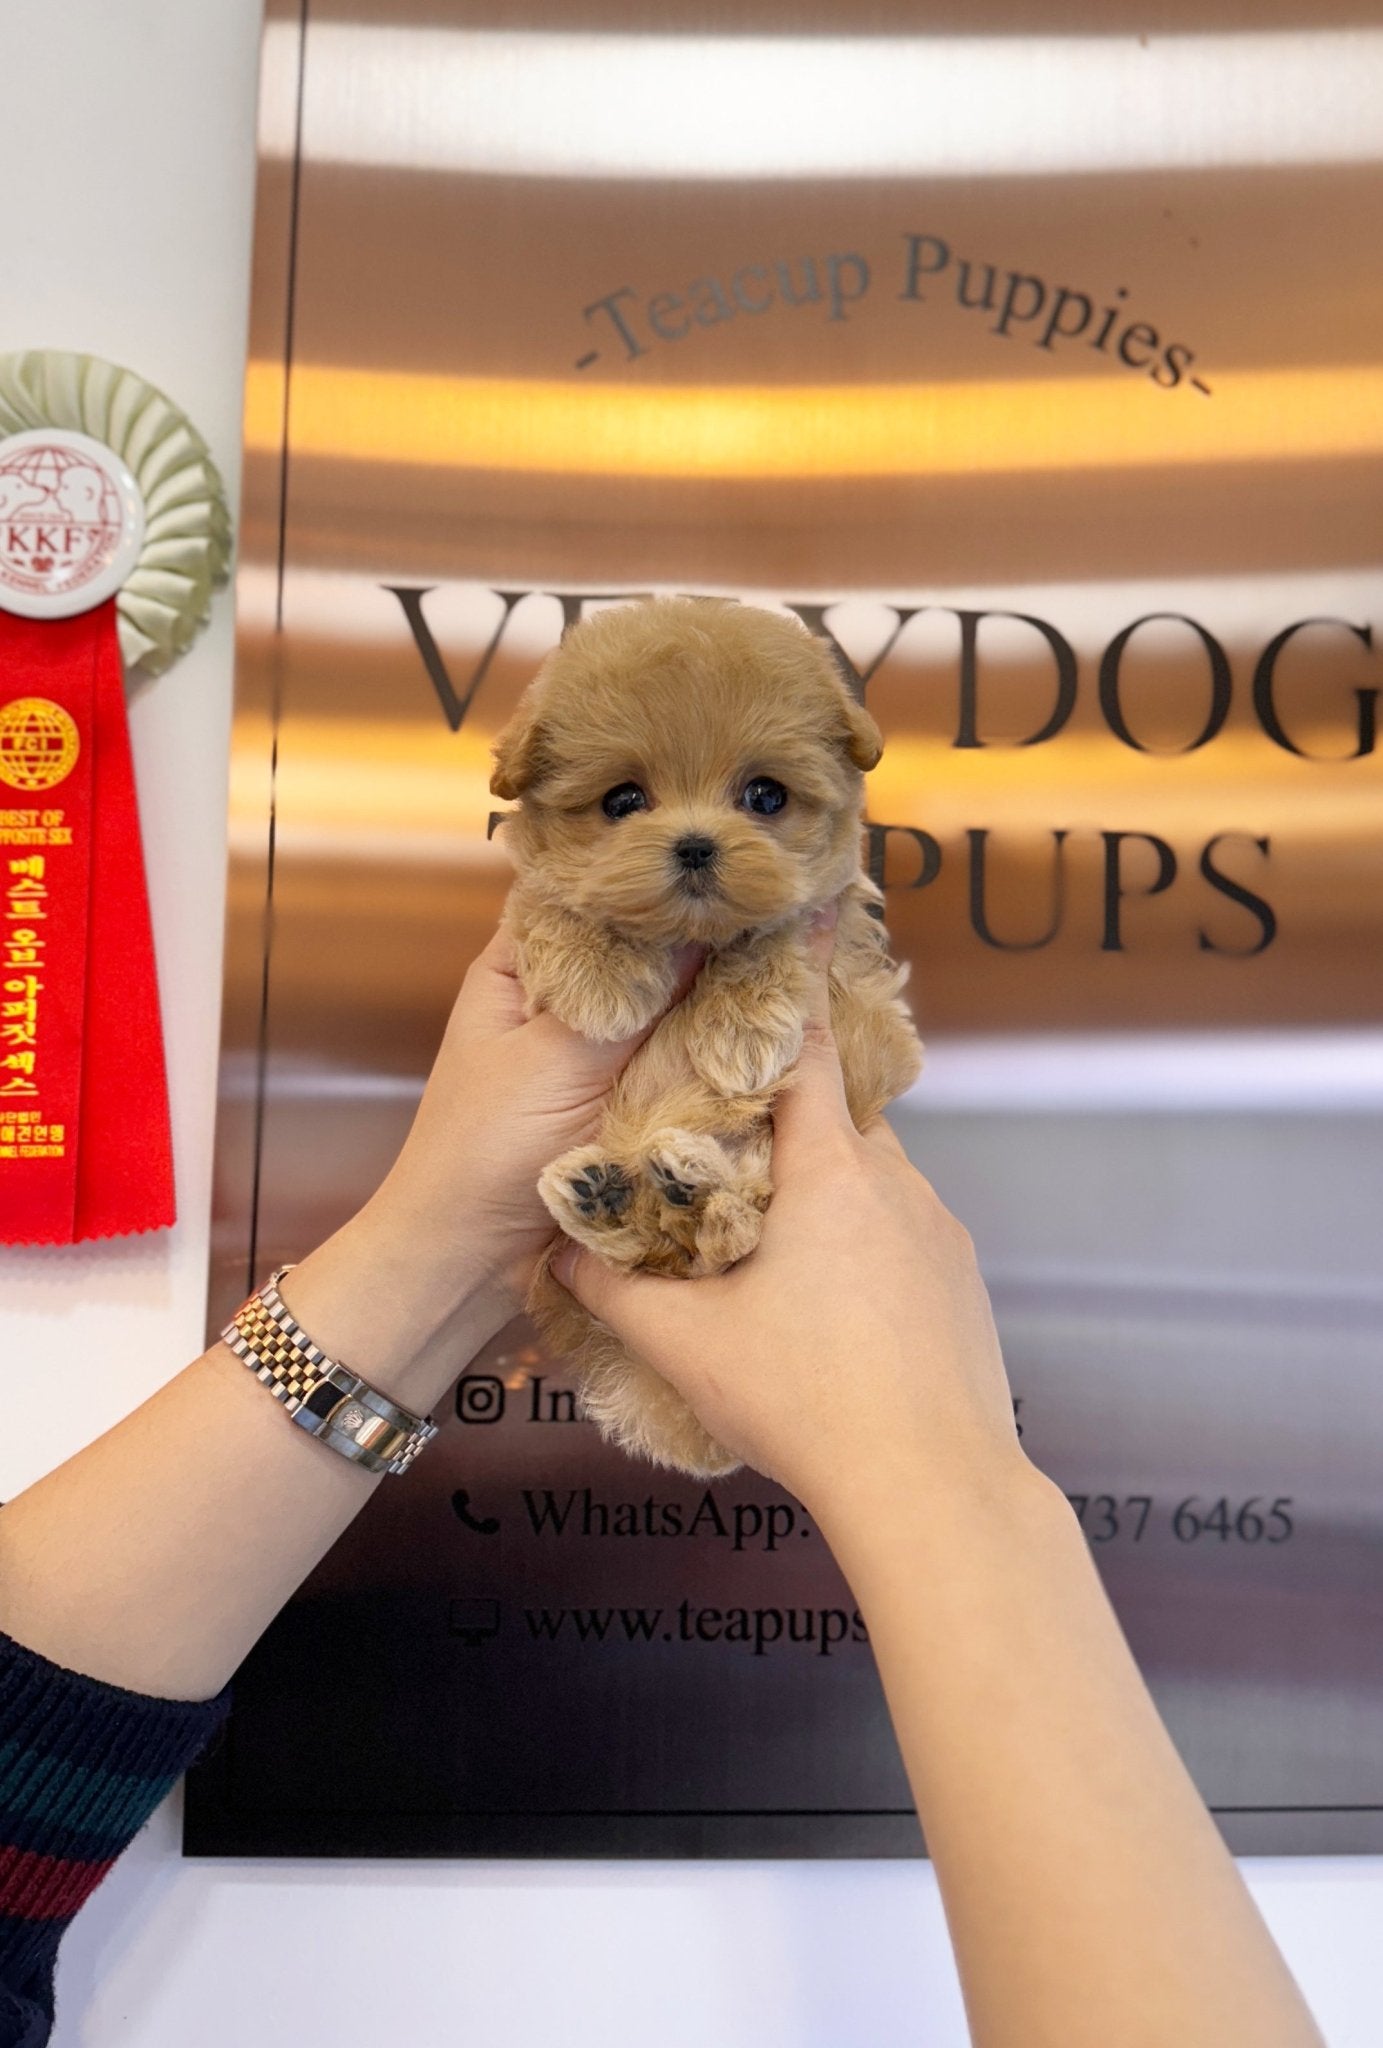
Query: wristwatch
x=326, y=1399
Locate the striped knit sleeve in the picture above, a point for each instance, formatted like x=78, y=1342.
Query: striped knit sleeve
x=82, y=1766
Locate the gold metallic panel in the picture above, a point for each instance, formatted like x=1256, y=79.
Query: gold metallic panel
x=1032, y=358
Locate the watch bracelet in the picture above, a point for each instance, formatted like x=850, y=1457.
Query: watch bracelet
x=327, y=1399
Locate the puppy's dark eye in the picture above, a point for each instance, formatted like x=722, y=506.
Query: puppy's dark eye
x=623, y=799
x=764, y=795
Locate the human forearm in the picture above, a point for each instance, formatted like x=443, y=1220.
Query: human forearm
x=854, y=1357
x=1089, y=1895
x=155, y=1557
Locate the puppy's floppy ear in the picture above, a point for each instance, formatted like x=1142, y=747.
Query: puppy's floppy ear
x=520, y=755
x=863, y=742
x=854, y=730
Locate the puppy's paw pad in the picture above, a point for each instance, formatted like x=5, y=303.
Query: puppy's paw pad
x=601, y=1189
x=586, y=1192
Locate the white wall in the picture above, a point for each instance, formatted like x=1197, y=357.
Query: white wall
x=136, y=248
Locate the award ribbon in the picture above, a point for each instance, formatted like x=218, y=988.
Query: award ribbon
x=85, y=1148
x=113, y=531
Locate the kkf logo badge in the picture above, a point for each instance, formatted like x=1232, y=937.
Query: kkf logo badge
x=71, y=523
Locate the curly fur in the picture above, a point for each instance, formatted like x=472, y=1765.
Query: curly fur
x=689, y=699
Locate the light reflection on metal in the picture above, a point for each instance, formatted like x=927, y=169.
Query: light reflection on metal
x=530, y=103
x=943, y=429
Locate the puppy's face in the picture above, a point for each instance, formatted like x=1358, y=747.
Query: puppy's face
x=688, y=770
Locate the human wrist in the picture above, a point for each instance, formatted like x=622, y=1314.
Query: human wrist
x=404, y=1312
x=880, y=1520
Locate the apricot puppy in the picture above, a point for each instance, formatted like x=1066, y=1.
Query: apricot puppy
x=688, y=770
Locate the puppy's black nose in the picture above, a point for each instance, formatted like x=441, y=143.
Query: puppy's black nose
x=695, y=851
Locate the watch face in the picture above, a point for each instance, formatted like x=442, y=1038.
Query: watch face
x=71, y=523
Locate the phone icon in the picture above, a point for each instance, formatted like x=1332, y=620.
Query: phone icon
x=484, y=1525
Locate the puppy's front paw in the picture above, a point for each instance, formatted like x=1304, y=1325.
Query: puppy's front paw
x=685, y=1168
x=737, y=1050
x=607, y=998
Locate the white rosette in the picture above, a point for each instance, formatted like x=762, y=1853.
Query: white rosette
x=187, y=534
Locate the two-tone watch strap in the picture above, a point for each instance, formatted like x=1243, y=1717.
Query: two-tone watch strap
x=327, y=1399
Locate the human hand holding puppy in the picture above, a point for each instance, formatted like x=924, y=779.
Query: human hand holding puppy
x=445, y=1251
x=853, y=1355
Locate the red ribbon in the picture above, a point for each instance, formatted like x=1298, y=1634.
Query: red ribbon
x=85, y=1147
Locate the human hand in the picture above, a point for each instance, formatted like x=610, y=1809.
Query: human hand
x=507, y=1095
x=442, y=1254
x=854, y=1349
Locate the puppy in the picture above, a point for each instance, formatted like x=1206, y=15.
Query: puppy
x=688, y=770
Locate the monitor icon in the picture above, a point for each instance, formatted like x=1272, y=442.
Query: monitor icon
x=475, y=1621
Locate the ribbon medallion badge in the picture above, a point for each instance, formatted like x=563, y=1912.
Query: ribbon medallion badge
x=112, y=532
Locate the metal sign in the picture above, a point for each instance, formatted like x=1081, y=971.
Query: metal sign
x=1033, y=371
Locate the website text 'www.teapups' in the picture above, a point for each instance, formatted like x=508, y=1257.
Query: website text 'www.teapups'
x=821, y=1630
